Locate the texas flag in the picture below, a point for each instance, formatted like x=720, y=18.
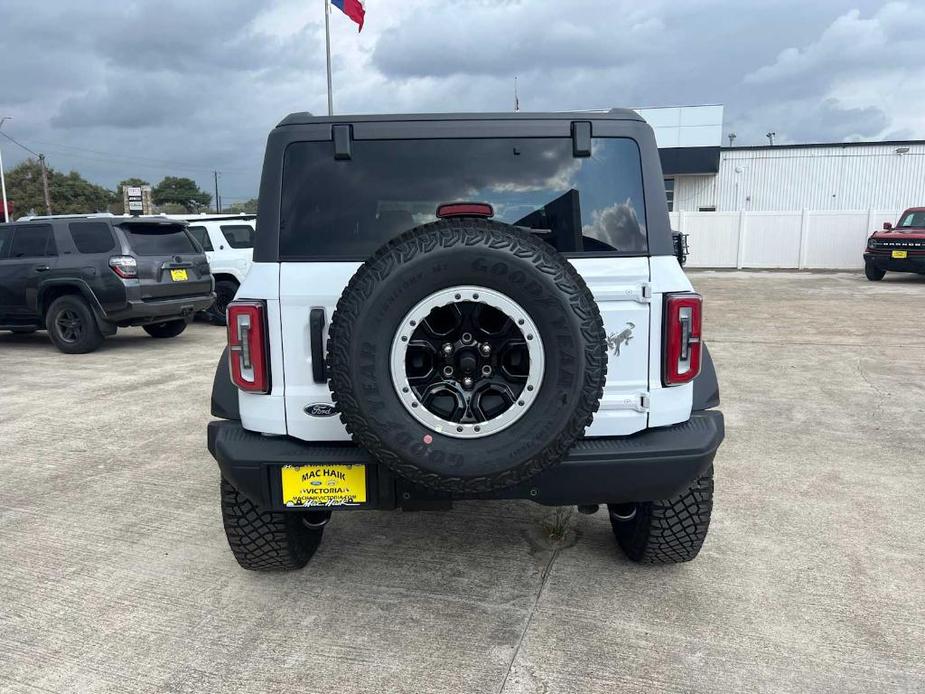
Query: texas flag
x=353, y=9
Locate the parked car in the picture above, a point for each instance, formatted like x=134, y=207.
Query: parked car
x=83, y=277
x=228, y=240
x=503, y=316
x=897, y=249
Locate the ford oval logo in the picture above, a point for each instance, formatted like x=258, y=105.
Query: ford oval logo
x=320, y=409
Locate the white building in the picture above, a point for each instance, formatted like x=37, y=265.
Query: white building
x=701, y=175
x=843, y=176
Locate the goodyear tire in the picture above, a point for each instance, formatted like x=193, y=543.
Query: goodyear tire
x=466, y=355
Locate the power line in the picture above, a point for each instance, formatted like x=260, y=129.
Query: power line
x=19, y=144
x=99, y=156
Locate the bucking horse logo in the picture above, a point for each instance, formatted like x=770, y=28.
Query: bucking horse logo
x=614, y=340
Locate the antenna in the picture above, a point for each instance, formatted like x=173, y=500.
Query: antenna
x=516, y=99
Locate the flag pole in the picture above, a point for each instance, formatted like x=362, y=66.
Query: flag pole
x=327, y=45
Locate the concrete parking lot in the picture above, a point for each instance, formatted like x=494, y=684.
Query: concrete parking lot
x=115, y=575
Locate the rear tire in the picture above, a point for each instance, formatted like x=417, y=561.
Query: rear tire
x=224, y=294
x=269, y=540
x=668, y=531
x=170, y=328
x=873, y=273
x=72, y=326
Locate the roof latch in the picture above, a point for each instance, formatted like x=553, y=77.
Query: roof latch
x=343, y=135
x=581, y=138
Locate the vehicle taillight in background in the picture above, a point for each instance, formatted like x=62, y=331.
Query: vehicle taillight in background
x=125, y=266
x=248, y=348
x=683, y=313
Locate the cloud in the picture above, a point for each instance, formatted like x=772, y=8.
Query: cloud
x=117, y=89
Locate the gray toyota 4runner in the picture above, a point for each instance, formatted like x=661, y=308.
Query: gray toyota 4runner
x=473, y=306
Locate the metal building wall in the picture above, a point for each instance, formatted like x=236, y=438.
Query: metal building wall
x=836, y=177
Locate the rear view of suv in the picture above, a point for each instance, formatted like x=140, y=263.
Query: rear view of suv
x=474, y=306
x=82, y=278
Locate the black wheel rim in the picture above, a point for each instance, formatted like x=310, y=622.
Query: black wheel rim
x=69, y=326
x=222, y=300
x=467, y=362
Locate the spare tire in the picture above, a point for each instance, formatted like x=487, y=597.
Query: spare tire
x=466, y=355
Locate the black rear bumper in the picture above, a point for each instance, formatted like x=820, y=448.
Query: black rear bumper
x=156, y=310
x=653, y=464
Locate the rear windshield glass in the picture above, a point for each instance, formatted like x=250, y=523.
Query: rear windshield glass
x=156, y=239
x=239, y=235
x=348, y=208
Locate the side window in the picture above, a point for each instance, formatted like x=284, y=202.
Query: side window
x=6, y=236
x=92, y=237
x=201, y=234
x=239, y=235
x=33, y=242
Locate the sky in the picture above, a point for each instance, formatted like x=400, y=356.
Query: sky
x=147, y=89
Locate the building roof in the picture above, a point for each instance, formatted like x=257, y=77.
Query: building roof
x=820, y=145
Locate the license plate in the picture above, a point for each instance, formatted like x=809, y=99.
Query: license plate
x=178, y=275
x=324, y=485
x=900, y=254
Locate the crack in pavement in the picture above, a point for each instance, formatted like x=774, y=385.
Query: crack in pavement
x=546, y=571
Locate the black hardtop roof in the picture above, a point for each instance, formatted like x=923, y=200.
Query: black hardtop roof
x=306, y=118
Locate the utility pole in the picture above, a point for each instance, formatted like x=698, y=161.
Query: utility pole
x=6, y=209
x=732, y=139
x=45, y=185
x=771, y=135
x=218, y=200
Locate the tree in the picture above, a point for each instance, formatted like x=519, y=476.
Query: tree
x=180, y=191
x=246, y=207
x=70, y=193
x=136, y=182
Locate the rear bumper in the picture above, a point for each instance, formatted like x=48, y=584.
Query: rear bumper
x=141, y=312
x=884, y=261
x=653, y=464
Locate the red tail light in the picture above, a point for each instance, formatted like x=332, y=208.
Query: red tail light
x=683, y=314
x=248, y=347
x=125, y=266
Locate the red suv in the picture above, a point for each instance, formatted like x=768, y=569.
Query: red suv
x=898, y=249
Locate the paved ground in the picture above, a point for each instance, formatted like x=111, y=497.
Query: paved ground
x=115, y=576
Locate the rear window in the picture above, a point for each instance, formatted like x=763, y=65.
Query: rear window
x=346, y=209
x=33, y=242
x=239, y=235
x=92, y=237
x=201, y=234
x=157, y=239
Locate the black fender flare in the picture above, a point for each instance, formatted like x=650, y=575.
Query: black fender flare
x=106, y=327
x=224, y=392
x=706, y=387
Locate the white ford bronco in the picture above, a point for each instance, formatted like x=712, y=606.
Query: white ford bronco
x=473, y=306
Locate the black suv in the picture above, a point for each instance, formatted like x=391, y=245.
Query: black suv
x=81, y=278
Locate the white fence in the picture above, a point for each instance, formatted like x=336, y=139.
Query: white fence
x=808, y=239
